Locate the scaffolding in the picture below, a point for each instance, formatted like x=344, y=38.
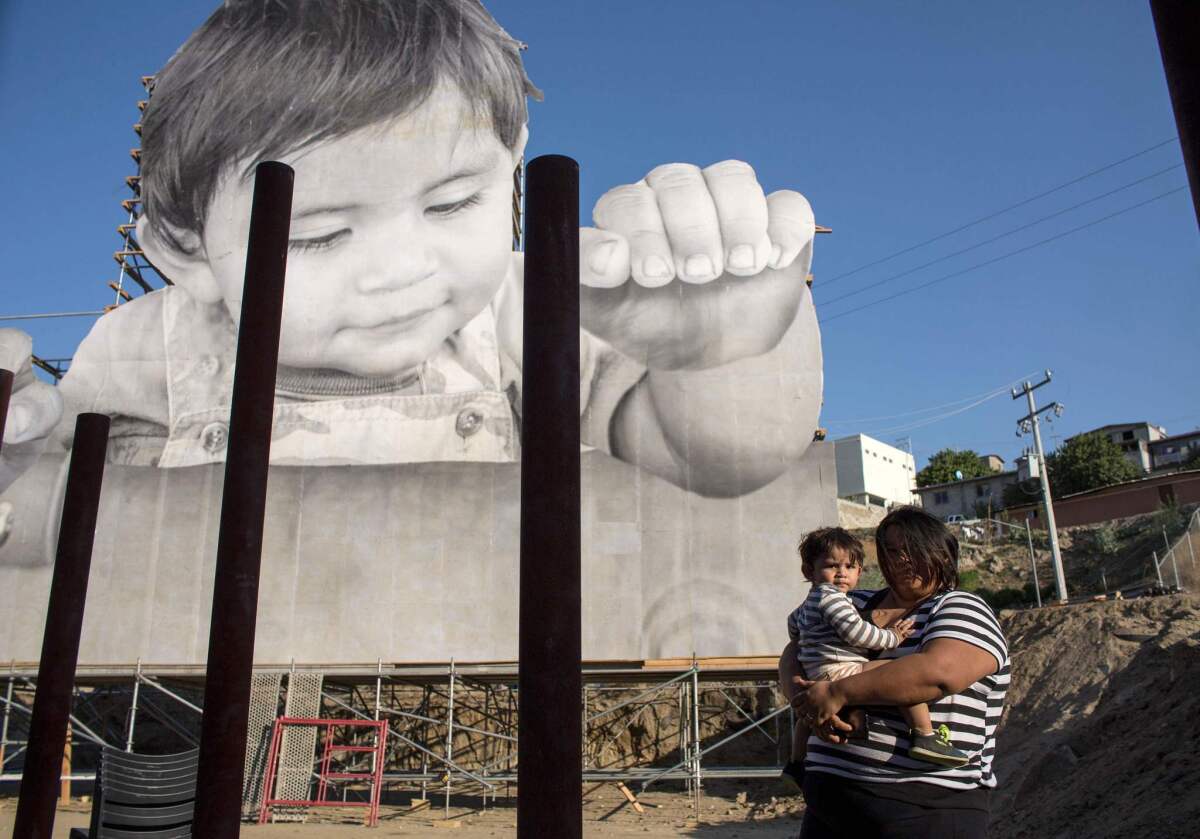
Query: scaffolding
x=135, y=273
x=451, y=730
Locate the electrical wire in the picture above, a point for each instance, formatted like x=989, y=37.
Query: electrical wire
x=991, y=216
x=931, y=420
x=1002, y=257
x=955, y=403
x=1006, y=234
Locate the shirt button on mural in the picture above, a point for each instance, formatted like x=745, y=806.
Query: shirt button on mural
x=209, y=365
x=214, y=436
x=469, y=421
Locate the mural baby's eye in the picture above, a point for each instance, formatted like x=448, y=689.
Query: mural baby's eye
x=317, y=243
x=454, y=207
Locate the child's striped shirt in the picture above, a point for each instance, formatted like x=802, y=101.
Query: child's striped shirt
x=827, y=628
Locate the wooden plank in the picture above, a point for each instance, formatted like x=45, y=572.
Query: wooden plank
x=631, y=798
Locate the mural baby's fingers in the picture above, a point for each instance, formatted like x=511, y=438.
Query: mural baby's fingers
x=791, y=226
x=690, y=218
x=16, y=349
x=742, y=215
x=632, y=212
x=33, y=412
x=603, y=258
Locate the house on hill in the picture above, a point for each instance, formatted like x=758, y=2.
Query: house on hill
x=967, y=497
x=1134, y=438
x=1174, y=451
x=1118, y=501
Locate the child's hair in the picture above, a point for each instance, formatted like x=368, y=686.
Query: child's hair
x=264, y=77
x=930, y=549
x=821, y=542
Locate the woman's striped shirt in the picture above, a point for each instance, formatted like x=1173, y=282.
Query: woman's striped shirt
x=827, y=628
x=971, y=716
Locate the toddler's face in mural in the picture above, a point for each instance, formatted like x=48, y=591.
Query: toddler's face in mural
x=401, y=233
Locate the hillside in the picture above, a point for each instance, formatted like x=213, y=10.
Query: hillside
x=1099, y=735
x=1096, y=558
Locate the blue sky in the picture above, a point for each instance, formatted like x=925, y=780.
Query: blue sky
x=900, y=122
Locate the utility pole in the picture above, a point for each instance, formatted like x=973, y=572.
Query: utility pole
x=1027, y=423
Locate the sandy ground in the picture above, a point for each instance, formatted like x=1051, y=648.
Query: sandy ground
x=1098, y=740
x=756, y=814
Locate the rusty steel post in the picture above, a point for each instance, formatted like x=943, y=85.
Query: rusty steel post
x=549, y=741
x=243, y=506
x=64, y=625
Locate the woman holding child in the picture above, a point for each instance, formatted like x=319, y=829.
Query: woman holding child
x=871, y=778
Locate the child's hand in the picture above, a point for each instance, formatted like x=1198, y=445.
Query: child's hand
x=691, y=269
x=903, y=628
x=34, y=410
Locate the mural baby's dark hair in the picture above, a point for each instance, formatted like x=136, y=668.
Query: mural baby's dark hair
x=821, y=543
x=930, y=550
x=261, y=78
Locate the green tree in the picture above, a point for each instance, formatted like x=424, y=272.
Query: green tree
x=1021, y=492
x=1089, y=461
x=945, y=463
x=1193, y=462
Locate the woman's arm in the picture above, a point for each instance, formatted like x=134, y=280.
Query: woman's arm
x=789, y=671
x=943, y=667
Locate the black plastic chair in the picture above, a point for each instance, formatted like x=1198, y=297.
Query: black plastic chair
x=143, y=796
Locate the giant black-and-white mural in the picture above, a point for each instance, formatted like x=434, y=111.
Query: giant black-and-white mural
x=392, y=517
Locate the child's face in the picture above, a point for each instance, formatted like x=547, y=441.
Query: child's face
x=401, y=233
x=836, y=569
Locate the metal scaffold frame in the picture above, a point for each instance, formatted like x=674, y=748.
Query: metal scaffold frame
x=451, y=729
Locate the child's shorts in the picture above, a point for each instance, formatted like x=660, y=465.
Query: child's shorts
x=834, y=670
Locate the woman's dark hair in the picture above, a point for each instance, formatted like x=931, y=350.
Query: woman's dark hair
x=930, y=549
x=821, y=543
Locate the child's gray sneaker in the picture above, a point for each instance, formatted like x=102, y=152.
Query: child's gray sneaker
x=936, y=748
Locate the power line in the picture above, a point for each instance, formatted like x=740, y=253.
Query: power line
x=990, y=216
x=931, y=420
x=1002, y=257
x=1002, y=389
x=52, y=315
x=997, y=238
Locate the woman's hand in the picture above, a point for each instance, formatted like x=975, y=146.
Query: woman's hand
x=817, y=703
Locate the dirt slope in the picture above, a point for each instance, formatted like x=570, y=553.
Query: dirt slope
x=1100, y=735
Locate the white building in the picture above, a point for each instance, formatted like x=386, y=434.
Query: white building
x=1134, y=438
x=871, y=472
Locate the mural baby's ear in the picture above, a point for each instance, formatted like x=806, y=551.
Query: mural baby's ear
x=518, y=148
x=182, y=261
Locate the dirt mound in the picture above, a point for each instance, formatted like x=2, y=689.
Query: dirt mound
x=1099, y=737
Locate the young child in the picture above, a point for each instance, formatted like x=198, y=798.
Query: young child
x=404, y=121
x=833, y=640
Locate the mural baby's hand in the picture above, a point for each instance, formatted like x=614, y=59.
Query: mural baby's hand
x=692, y=268
x=33, y=411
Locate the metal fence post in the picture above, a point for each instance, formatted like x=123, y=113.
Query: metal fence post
x=549, y=734
x=6, y=387
x=64, y=626
x=133, y=709
x=1158, y=570
x=1177, y=25
x=449, y=738
x=1037, y=588
x=4, y=727
x=220, y=774
x=696, y=744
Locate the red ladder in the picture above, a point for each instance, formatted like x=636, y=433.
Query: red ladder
x=324, y=775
